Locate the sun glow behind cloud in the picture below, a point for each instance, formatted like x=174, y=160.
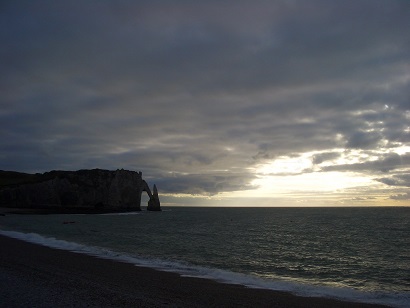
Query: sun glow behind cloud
x=285, y=165
x=314, y=182
x=287, y=175
x=301, y=178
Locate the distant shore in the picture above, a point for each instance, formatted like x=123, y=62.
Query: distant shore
x=38, y=276
x=64, y=210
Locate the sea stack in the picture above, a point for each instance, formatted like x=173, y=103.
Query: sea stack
x=153, y=203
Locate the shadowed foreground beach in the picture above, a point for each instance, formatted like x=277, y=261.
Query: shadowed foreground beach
x=37, y=276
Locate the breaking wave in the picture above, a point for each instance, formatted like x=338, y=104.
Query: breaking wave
x=399, y=300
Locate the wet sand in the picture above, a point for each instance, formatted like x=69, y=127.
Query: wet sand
x=36, y=276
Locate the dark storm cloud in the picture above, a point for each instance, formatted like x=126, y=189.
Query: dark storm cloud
x=397, y=180
x=320, y=158
x=384, y=163
x=201, y=90
x=364, y=140
x=203, y=184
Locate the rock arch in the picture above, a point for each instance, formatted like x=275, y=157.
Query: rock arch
x=146, y=188
x=97, y=189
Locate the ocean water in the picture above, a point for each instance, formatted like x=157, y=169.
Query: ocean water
x=355, y=254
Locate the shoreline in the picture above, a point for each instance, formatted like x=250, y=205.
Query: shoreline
x=36, y=275
x=64, y=210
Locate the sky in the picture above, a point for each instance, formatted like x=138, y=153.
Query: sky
x=219, y=103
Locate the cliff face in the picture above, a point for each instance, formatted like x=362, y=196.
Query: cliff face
x=99, y=189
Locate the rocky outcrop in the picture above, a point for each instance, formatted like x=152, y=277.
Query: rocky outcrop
x=98, y=189
x=153, y=203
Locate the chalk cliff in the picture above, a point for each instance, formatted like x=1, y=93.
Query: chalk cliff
x=97, y=189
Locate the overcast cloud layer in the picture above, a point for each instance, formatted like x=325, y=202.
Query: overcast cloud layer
x=198, y=94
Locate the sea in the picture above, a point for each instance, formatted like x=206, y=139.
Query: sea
x=359, y=254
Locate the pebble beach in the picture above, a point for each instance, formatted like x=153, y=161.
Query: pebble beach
x=36, y=276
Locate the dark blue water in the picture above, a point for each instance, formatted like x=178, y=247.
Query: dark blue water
x=352, y=253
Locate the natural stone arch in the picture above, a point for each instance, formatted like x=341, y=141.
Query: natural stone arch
x=97, y=189
x=146, y=188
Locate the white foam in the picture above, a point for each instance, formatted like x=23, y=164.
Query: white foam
x=188, y=270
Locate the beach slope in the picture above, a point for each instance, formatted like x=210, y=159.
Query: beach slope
x=37, y=276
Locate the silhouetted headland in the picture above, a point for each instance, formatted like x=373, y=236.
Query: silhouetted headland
x=82, y=191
